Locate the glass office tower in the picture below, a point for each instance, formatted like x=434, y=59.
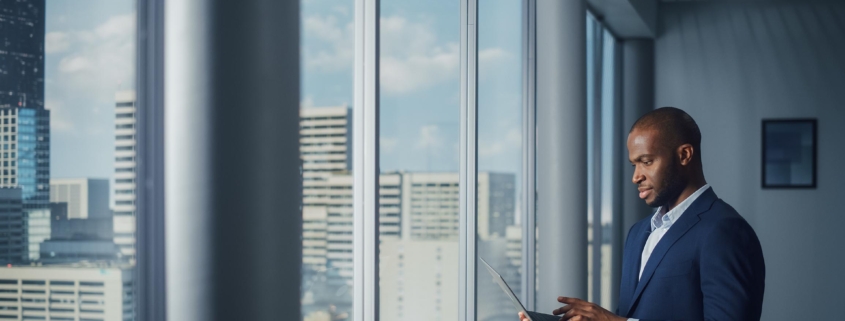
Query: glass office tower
x=22, y=53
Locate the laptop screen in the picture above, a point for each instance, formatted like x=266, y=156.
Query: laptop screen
x=504, y=285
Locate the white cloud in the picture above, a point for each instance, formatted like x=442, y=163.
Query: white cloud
x=55, y=42
x=388, y=144
x=97, y=61
x=58, y=121
x=412, y=58
x=74, y=64
x=429, y=137
x=509, y=144
x=116, y=27
x=418, y=71
x=338, y=44
x=490, y=55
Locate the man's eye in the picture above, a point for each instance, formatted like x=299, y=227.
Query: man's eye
x=648, y=162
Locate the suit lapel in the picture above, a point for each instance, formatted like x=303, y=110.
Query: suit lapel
x=678, y=229
x=632, y=267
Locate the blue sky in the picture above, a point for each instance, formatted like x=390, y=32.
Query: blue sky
x=90, y=55
x=420, y=78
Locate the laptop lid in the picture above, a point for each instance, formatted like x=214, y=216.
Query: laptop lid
x=504, y=285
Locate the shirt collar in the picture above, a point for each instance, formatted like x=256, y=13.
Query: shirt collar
x=661, y=219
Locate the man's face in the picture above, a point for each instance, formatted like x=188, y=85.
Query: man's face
x=656, y=168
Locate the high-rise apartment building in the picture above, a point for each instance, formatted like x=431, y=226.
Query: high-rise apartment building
x=13, y=238
x=330, y=199
x=124, y=172
x=431, y=205
x=22, y=54
x=325, y=137
x=419, y=280
x=325, y=141
x=38, y=229
x=85, y=197
x=66, y=293
x=314, y=240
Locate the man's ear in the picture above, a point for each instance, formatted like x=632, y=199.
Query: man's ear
x=685, y=154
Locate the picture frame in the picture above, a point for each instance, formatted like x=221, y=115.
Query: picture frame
x=789, y=153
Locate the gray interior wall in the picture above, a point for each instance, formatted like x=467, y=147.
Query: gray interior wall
x=730, y=66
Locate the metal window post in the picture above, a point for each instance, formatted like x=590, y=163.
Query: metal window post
x=529, y=139
x=468, y=159
x=365, y=164
x=150, y=271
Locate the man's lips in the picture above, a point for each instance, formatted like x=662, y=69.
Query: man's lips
x=644, y=192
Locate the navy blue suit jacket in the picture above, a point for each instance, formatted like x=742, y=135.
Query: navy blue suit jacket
x=708, y=266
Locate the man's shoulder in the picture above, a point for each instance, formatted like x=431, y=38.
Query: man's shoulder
x=722, y=218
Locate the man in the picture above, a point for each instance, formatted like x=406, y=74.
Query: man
x=696, y=258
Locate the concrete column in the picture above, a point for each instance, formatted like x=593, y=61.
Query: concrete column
x=232, y=179
x=561, y=152
x=637, y=99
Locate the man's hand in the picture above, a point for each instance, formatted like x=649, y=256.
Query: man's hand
x=580, y=310
x=523, y=317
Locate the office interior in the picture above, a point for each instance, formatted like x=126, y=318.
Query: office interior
x=354, y=159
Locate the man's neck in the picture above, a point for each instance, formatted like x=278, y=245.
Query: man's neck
x=686, y=193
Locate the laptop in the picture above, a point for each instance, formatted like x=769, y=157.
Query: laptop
x=533, y=316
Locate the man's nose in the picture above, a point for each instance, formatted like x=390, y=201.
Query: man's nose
x=637, y=178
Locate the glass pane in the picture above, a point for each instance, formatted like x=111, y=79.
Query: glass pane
x=592, y=156
x=67, y=195
x=326, y=151
x=608, y=114
x=419, y=142
x=499, y=155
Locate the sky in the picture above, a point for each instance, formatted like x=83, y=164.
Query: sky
x=89, y=56
x=420, y=78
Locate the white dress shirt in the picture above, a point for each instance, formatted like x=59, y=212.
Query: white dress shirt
x=661, y=221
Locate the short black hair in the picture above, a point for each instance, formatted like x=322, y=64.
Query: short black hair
x=675, y=126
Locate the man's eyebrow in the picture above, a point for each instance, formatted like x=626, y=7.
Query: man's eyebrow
x=640, y=158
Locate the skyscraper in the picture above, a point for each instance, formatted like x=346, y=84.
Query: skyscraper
x=13, y=242
x=25, y=124
x=326, y=141
x=124, y=172
x=22, y=54
x=85, y=197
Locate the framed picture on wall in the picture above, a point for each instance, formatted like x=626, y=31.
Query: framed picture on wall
x=789, y=153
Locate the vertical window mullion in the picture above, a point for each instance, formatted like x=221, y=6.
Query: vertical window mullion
x=365, y=162
x=528, y=155
x=595, y=109
x=468, y=159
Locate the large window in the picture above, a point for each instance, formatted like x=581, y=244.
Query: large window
x=425, y=151
x=419, y=141
x=67, y=194
x=603, y=160
x=499, y=179
x=326, y=148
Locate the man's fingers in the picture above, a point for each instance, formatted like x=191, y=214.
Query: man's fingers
x=572, y=314
x=563, y=299
x=562, y=309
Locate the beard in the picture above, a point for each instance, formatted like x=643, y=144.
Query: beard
x=673, y=186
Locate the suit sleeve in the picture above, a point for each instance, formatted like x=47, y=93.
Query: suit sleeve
x=732, y=272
